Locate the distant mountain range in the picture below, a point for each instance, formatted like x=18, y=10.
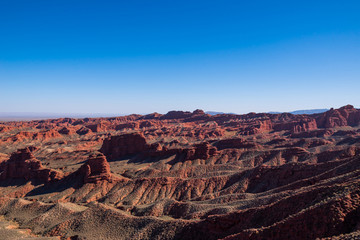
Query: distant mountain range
x=310, y=111
x=297, y=112
x=216, y=113
x=24, y=116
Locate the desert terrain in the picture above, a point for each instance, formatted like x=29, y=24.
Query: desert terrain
x=182, y=175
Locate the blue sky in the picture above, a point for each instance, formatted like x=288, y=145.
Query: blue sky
x=144, y=56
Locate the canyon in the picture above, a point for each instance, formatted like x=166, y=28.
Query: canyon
x=184, y=175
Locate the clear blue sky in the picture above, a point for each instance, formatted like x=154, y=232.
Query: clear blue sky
x=123, y=57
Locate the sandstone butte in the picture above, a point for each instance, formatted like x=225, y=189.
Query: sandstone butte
x=184, y=175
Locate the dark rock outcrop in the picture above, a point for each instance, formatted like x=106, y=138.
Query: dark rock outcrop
x=235, y=143
x=119, y=146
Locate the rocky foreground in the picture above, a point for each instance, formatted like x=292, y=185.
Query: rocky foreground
x=184, y=175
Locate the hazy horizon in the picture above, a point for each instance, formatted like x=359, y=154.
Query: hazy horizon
x=89, y=114
x=143, y=57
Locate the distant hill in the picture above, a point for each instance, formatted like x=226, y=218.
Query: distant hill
x=310, y=111
x=216, y=113
x=297, y=112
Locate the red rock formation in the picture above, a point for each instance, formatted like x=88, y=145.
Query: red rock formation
x=4, y=128
x=297, y=126
x=98, y=127
x=45, y=135
x=154, y=115
x=83, y=131
x=67, y=131
x=34, y=136
x=312, y=134
x=295, y=152
x=200, y=151
x=129, y=125
x=189, y=116
x=96, y=169
x=23, y=165
x=148, y=124
x=176, y=115
x=119, y=146
x=255, y=127
x=344, y=116
x=190, y=168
